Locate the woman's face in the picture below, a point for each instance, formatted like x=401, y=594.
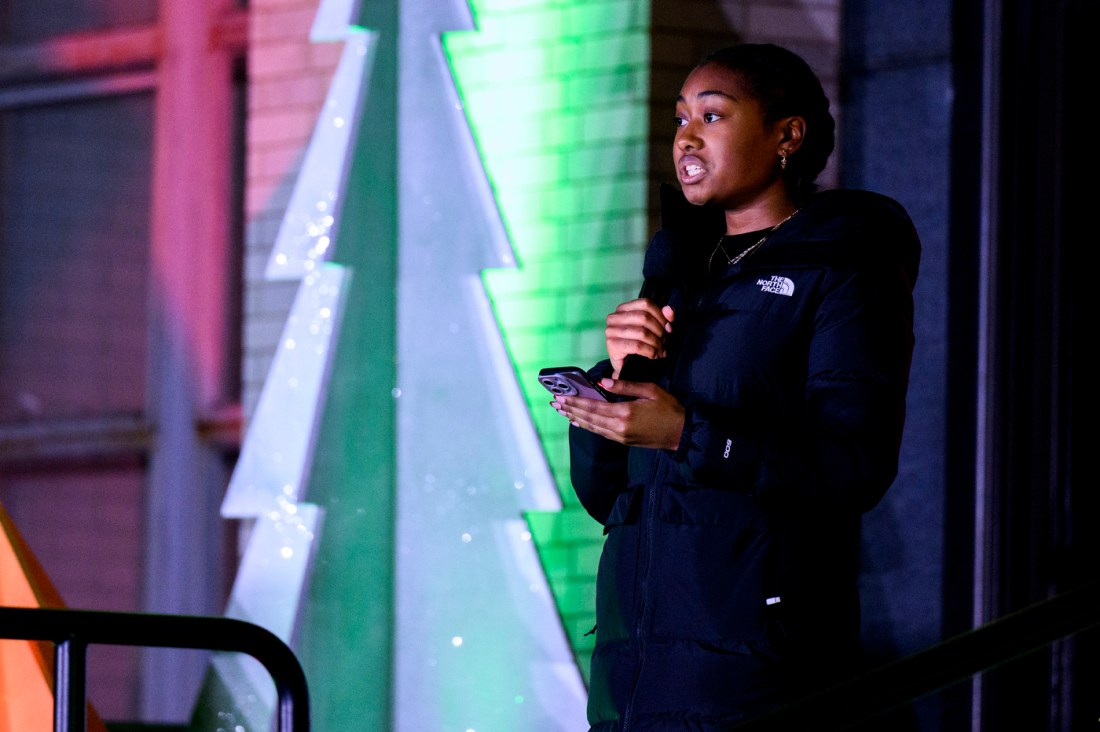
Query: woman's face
x=724, y=152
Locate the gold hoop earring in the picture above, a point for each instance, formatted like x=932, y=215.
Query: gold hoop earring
x=783, y=159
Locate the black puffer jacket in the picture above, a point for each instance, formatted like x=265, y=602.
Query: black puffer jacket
x=728, y=576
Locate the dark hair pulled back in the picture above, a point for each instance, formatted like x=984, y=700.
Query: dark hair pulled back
x=786, y=86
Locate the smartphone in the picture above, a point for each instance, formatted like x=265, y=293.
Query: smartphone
x=572, y=381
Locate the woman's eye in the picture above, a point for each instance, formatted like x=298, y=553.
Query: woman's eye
x=711, y=117
x=680, y=121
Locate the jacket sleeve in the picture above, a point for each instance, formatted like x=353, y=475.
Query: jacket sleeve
x=844, y=452
x=597, y=466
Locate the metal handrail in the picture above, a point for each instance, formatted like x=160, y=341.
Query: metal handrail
x=848, y=703
x=956, y=659
x=72, y=631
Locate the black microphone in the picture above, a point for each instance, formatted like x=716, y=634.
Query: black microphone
x=659, y=270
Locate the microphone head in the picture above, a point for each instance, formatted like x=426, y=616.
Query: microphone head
x=661, y=256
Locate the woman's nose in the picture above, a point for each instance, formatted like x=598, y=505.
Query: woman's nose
x=688, y=139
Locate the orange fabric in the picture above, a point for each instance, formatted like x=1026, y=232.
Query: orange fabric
x=26, y=667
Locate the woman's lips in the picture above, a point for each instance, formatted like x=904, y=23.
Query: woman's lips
x=691, y=170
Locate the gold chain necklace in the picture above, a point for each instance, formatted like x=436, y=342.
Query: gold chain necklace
x=749, y=249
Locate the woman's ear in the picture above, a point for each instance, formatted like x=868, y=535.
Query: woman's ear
x=794, y=129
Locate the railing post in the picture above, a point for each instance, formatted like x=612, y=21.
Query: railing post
x=70, y=692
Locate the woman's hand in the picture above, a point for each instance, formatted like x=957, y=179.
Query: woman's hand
x=637, y=327
x=653, y=419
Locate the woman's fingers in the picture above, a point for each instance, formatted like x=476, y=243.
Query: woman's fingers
x=642, y=313
x=653, y=419
x=637, y=327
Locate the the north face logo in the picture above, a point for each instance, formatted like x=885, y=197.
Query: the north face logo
x=776, y=285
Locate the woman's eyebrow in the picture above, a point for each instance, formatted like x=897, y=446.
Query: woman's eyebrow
x=709, y=93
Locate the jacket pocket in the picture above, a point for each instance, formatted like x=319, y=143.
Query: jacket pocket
x=625, y=510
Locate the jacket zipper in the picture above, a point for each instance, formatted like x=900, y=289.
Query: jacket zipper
x=646, y=540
